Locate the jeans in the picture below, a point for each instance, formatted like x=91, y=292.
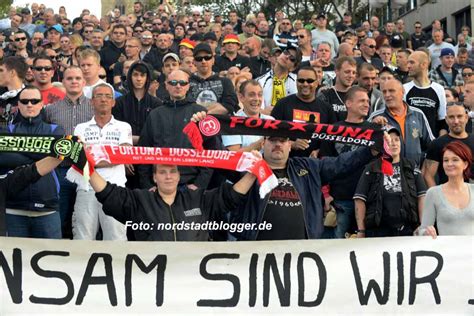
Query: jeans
x=67, y=196
x=48, y=226
x=87, y=217
x=345, y=217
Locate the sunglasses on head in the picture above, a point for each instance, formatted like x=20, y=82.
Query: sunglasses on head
x=174, y=83
x=303, y=80
x=27, y=101
x=201, y=58
x=40, y=68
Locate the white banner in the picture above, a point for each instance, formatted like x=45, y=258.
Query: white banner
x=406, y=275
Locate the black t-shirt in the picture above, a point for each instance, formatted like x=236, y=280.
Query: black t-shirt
x=435, y=149
x=431, y=100
x=284, y=211
x=224, y=63
x=343, y=189
x=292, y=108
x=337, y=100
x=392, y=199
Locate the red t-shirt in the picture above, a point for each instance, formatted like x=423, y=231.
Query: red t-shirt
x=52, y=95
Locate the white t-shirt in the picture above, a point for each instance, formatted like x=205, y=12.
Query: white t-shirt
x=243, y=140
x=113, y=133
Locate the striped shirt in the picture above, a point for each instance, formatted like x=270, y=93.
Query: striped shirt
x=68, y=113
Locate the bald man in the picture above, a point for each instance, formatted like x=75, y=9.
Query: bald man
x=252, y=46
x=410, y=121
x=162, y=130
x=345, y=49
x=425, y=95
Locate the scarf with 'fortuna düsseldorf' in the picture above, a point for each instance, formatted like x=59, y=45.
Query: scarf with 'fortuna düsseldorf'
x=239, y=125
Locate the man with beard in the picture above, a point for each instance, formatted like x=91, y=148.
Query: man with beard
x=303, y=107
x=456, y=119
x=425, y=95
x=260, y=63
x=366, y=76
x=146, y=39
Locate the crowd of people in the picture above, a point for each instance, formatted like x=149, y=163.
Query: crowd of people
x=137, y=78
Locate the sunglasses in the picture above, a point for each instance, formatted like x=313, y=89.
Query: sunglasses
x=371, y=46
x=201, y=58
x=290, y=56
x=286, y=24
x=39, y=68
x=303, y=80
x=181, y=83
x=469, y=74
x=102, y=76
x=156, y=23
x=301, y=36
x=20, y=39
x=204, y=25
x=27, y=101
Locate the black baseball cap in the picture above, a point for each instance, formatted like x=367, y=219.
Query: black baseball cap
x=210, y=36
x=202, y=47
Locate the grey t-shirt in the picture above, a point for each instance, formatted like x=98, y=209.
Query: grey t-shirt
x=450, y=220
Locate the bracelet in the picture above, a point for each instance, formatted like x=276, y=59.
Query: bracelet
x=361, y=231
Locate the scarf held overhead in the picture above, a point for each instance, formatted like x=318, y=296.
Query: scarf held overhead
x=238, y=125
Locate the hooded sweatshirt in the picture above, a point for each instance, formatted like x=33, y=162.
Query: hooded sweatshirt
x=131, y=110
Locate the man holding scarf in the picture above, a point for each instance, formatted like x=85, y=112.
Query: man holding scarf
x=170, y=205
x=294, y=207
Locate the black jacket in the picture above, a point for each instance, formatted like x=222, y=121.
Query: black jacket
x=214, y=89
x=42, y=195
x=109, y=55
x=164, y=128
x=13, y=182
x=129, y=109
x=189, y=207
x=374, y=203
x=155, y=58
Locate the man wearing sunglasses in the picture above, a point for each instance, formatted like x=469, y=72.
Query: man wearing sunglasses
x=302, y=107
x=367, y=49
x=163, y=128
x=43, y=71
x=33, y=212
x=21, y=43
x=207, y=88
x=280, y=81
